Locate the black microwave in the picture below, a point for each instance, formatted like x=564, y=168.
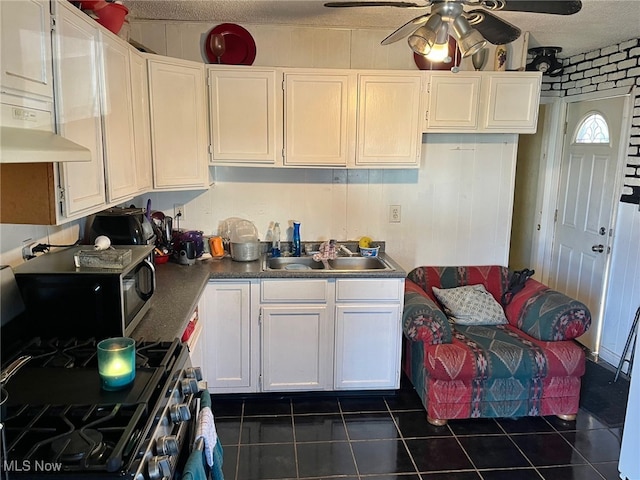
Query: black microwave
x=62, y=299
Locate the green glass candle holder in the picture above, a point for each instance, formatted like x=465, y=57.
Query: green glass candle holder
x=117, y=362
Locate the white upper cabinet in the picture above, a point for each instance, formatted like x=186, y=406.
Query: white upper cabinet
x=452, y=102
x=489, y=102
x=389, y=129
x=246, y=115
x=117, y=120
x=26, y=48
x=513, y=102
x=141, y=128
x=78, y=109
x=319, y=118
x=178, y=124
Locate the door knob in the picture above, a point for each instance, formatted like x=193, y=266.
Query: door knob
x=597, y=248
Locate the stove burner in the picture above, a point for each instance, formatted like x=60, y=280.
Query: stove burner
x=79, y=445
x=88, y=432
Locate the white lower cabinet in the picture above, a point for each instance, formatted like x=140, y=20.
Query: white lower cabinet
x=279, y=335
x=296, y=348
x=297, y=334
x=228, y=337
x=367, y=347
x=368, y=333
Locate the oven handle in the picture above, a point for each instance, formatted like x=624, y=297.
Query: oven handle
x=148, y=265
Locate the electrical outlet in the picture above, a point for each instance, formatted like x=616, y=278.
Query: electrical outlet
x=27, y=249
x=178, y=212
x=395, y=215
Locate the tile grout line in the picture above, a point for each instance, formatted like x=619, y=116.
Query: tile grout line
x=406, y=447
x=346, y=431
x=239, y=441
x=295, y=443
x=576, y=450
x=535, y=469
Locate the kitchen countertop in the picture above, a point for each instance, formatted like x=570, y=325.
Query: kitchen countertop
x=179, y=287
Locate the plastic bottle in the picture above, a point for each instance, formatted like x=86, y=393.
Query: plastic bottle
x=275, y=241
x=296, y=239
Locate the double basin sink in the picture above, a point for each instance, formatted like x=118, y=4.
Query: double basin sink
x=339, y=264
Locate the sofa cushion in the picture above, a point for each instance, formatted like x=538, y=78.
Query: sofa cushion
x=546, y=314
x=481, y=352
x=470, y=305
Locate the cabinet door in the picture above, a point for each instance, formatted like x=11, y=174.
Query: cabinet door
x=319, y=119
x=244, y=113
x=26, y=47
x=227, y=336
x=78, y=108
x=389, y=122
x=452, y=102
x=117, y=118
x=296, y=348
x=367, y=350
x=513, y=102
x=142, y=133
x=178, y=124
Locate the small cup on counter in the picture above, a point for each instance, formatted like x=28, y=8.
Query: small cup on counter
x=216, y=247
x=117, y=362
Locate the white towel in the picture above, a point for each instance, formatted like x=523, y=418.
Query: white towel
x=207, y=430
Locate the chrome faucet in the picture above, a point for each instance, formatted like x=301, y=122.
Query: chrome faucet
x=347, y=251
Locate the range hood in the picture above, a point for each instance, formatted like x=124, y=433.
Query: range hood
x=26, y=136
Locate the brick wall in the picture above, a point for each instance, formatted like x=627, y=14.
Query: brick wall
x=604, y=69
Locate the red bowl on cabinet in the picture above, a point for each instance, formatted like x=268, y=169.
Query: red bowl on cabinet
x=111, y=16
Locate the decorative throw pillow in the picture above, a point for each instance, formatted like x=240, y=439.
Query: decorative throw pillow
x=470, y=305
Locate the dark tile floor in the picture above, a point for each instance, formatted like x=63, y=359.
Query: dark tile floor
x=381, y=437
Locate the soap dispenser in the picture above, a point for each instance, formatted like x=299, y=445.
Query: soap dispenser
x=275, y=241
x=296, y=239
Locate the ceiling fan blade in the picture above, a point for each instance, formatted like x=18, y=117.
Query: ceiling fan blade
x=407, y=29
x=555, y=7
x=372, y=3
x=493, y=29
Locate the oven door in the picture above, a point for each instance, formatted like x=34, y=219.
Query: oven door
x=138, y=286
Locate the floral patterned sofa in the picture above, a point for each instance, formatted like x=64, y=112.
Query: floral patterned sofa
x=528, y=366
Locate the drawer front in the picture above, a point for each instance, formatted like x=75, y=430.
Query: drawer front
x=383, y=289
x=299, y=291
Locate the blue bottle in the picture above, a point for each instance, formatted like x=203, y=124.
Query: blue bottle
x=296, y=239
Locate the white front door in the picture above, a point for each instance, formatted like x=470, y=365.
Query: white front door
x=586, y=198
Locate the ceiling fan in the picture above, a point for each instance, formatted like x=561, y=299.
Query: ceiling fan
x=429, y=33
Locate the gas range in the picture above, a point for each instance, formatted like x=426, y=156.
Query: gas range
x=60, y=423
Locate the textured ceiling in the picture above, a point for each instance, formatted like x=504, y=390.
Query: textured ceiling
x=600, y=23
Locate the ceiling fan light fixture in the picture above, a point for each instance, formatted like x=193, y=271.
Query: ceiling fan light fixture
x=440, y=50
x=424, y=38
x=469, y=39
